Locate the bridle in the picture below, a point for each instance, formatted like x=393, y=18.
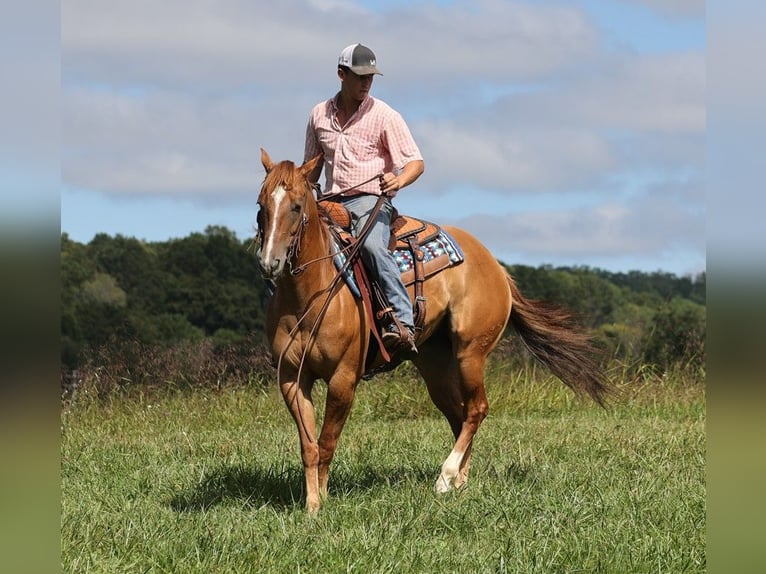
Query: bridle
x=295, y=243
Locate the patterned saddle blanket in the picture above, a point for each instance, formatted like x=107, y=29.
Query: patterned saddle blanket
x=434, y=248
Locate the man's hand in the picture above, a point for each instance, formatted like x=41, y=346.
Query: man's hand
x=390, y=183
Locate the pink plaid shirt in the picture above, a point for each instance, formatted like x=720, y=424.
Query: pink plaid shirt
x=374, y=140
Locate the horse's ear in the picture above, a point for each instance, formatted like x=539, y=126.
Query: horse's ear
x=268, y=165
x=310, y=165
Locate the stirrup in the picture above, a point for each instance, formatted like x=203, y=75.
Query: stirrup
x=401, y=340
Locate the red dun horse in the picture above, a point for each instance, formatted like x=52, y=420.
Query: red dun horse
x=319, y=330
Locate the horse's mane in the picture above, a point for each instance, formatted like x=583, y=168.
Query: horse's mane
x=285, y=172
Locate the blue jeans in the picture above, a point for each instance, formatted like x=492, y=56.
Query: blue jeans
x=376, y=255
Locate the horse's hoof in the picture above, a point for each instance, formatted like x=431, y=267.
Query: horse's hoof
x=312, y=507
x=442, y=485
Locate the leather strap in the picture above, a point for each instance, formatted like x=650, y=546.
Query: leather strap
x=364, y=288
x=419, y=310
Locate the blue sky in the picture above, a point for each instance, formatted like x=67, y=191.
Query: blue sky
x=564, y=133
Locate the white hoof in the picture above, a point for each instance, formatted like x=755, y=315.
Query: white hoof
x=450, y=470
x=442, y=485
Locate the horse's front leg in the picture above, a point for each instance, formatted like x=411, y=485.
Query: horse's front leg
x=340, y=397
x=297, y=396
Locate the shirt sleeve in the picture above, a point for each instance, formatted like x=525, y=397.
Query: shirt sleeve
x=401, y=145
x=311, y=148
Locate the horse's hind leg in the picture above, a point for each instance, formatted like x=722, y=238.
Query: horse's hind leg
x=475, y=408
x=456, y=387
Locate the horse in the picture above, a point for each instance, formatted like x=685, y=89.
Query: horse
x=319, y=330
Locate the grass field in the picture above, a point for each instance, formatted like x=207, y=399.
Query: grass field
x=210, y=481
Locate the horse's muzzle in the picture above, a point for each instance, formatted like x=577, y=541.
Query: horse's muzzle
x=270, y=269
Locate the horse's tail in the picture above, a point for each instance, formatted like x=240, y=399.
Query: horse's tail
x=558, y=341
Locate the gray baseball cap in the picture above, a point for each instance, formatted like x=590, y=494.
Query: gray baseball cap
x=360, y=59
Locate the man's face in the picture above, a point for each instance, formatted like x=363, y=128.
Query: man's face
x=358, y=87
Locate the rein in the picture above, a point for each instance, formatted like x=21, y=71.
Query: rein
x=352, y=188
x=294, y=247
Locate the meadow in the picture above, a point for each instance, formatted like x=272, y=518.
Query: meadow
x=209, y=480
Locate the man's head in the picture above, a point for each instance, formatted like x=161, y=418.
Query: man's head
x=356, y=69
x=359, y=59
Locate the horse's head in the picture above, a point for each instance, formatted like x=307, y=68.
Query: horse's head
x=282, y=212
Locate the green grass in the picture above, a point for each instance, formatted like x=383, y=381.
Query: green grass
x=211, y=481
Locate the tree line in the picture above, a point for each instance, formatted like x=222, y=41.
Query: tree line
x=206, y=289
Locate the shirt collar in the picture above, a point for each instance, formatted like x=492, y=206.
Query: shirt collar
x=363, y=107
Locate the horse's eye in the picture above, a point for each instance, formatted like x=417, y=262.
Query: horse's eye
x=296, y=208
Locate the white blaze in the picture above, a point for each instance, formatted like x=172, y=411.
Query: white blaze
x=278, y=195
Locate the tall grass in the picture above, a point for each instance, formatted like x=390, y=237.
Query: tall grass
x=208, y=479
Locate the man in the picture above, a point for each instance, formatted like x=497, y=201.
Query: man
x=361, y=136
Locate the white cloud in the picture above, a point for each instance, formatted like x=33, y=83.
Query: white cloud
x=631, y=112
x=503, y=159
x=648, y=93
x=656, y=224
x=190, y=44
x=485, y=40
x=231, y=42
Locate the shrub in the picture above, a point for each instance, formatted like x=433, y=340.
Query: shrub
x=677, y=336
